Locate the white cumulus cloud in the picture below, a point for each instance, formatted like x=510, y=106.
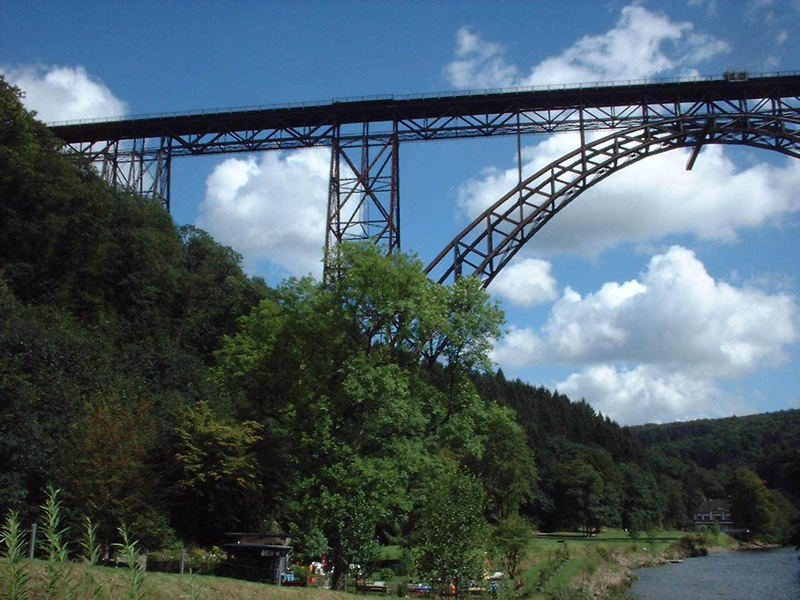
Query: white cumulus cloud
x=647, y=200
x=478, y=63
x=648, y=394
x=682, y=329
x=59, y=93
x=642, y=44
x=526, y=282
x=273, y=208
x=659, y=346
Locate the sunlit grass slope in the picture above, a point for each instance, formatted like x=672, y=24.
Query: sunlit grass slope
x=106, y=583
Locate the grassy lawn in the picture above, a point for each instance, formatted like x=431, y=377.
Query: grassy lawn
x=107, y=583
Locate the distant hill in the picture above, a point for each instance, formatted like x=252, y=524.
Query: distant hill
x=648, y=473
x=768, y=443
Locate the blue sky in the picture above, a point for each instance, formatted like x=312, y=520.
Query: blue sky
x=658, y=295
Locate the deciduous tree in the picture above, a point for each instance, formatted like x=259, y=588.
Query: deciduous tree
x=451, y=533
x=217, y=485
x=750, y=502
x=511, y=540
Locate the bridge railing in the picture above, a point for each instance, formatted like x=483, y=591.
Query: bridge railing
x=422, y=96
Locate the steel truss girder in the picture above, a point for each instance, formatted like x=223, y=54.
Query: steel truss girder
x=485, y=246
x=364, y=192
x=545, y=121
x=421, y=119
x=143, y=164
x=128, y=165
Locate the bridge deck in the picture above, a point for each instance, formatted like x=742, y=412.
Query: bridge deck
x=399, y=109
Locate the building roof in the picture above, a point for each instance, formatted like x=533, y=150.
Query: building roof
x=714, y=505
x=257, y=534
x=260, y=546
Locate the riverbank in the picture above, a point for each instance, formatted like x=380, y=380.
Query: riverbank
x=567, y=566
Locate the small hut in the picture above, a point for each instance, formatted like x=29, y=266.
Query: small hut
x=257, y=556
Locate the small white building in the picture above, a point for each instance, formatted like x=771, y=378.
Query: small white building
x=714, y=511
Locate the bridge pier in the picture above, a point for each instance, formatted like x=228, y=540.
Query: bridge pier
x=364, y=189
x=133, y=165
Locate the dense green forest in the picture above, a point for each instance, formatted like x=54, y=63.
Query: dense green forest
x=767, y=443
x=154, y=382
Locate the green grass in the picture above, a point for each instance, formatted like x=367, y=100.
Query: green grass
x=165, y=586
x=390, y=552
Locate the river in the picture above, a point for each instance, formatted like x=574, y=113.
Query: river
x=772, y=575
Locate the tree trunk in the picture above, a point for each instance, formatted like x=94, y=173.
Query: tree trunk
x=339, y=574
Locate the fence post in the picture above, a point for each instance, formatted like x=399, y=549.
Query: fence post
x=32, y=541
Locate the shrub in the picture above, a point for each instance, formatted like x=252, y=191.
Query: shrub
x=301, y=575
x=692, y=545
x=603, y=552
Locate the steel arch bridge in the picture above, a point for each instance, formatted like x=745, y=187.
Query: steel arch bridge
x=644, y=118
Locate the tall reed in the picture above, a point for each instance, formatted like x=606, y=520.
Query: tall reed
x=91, y=549
x=91, y=553
x=195, y=591
x=54, y=545
x=130, y=556
x=15, y=581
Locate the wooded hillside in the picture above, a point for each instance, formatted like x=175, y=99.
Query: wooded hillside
x=768, y=443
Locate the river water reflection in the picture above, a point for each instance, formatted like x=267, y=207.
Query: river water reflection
x=773, y=575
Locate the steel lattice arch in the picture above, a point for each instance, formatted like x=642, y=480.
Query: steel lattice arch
x=644, y=118
x=485, y=246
